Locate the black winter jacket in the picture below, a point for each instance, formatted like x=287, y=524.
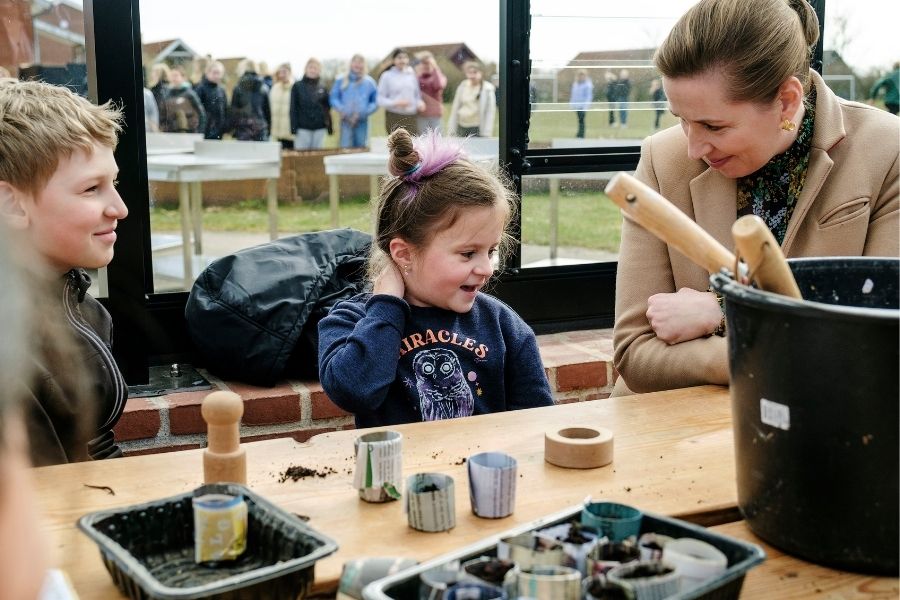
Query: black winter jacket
x=254, y=315
x=310, y=106
x=215, y=103
x=250, y=117
x=54, y=415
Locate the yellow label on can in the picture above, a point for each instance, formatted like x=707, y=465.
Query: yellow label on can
x=220, y=527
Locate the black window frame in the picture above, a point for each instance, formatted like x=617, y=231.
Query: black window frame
x=150, y=327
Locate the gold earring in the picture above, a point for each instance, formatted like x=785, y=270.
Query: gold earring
x=788, y=125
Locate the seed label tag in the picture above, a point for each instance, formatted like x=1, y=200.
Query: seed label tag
x=775, y=414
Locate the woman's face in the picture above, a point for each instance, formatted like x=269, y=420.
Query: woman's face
x=473, y=74
x=735, y=138
x=357, y=65
x=282, y=75
x=312, y=70
x=401, y=61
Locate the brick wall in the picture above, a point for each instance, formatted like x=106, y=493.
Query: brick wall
x=578, y=364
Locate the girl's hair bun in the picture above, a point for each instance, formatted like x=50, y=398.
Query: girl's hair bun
x=403, y=155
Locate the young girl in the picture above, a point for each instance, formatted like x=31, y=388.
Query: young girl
x=426, y=344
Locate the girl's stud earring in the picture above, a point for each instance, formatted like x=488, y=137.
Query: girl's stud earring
x=788, y=125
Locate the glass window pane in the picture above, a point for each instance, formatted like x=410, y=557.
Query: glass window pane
x=315, y=189
x=567, y=219
x=45, y=41
x=592, y=75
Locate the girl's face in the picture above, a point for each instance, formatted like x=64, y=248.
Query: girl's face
x=734, y=138
x=473, y=74
x=313, y=70
x=401, y=61
x=357, y=65
x=449, y=272
x=282, y=75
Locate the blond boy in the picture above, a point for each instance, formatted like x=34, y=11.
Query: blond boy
x=58, y=191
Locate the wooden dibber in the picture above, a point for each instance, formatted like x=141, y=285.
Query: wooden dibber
x=758, y=248
x=223, y=460
x=660, y=217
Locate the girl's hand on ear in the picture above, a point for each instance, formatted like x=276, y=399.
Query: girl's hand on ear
x=390, y=281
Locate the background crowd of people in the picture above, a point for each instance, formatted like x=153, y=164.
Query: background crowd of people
x=298, y=112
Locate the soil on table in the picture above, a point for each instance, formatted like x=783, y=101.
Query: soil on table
x=297, y=472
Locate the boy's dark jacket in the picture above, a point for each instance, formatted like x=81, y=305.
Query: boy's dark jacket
x=253, y=315
x=62, y=426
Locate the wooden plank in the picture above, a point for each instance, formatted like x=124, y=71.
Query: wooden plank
x=673, y=455
x=783, y=576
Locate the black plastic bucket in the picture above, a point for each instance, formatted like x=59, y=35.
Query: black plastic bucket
x=814, y=396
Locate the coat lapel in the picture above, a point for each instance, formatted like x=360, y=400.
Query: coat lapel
x=828, y=131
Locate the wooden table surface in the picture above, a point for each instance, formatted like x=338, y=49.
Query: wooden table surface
x=783, y=576
x=673, y=455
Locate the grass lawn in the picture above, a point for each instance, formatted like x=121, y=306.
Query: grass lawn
x=586, y=220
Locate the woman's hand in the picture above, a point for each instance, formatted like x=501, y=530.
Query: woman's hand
x=390, y=281
x=685, y=315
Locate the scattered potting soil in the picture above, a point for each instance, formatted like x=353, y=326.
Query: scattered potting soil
x=461, y=461
x=575, y=535
x=104, y=488
x=297, y=472
x=431, y=487
x=601, y=590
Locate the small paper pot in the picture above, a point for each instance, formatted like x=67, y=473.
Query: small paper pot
x=647, y=580
x=430, y=502
x=652, y=544
x=577, y=542
x=547, y=583
x=696, y=561
x=469, y=590
x=434, y=583
x=615, y=521
x=492, y=484
x=598, y=587
x=608, y=555
x=379, y=466
x=527, y=550
x=486, y=569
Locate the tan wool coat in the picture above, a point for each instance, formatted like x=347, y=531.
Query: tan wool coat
x=848, y=207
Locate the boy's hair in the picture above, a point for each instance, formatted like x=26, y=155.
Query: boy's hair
x=432, y=183
x=40, y=124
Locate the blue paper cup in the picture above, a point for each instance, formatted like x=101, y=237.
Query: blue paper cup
x=616, y=521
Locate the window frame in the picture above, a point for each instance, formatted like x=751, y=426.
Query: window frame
x=150, y=327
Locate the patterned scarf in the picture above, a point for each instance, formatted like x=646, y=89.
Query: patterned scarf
x=771, y=192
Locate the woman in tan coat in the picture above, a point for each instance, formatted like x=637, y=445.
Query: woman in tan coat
x=760, y=134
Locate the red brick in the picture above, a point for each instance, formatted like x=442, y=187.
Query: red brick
x=581, y=376
x=324, y=408
x=184, y=413
x=251, y=392
x=162, y=449
x=265, y=410
x=568, y=400
x=139, y=421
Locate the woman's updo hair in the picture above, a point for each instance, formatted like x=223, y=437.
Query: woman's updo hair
x=755, y=44
x=431, y=182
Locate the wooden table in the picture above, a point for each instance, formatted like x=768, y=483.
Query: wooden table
x=783, y=576
x=673, y=455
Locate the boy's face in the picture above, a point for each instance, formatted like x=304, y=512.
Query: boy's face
x=72, y=221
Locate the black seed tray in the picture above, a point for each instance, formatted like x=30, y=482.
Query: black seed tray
x=742, y=556
x=148, y=550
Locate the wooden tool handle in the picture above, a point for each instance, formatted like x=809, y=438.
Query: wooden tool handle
x=659, y=216
x=765, y=262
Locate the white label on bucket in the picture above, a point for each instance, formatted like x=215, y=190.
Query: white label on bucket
x=775, y=414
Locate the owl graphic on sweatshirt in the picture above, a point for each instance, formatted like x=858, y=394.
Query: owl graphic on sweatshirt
x=442, y=387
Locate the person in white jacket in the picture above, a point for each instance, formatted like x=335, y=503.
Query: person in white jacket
x=474, y=105
x=399, y=95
